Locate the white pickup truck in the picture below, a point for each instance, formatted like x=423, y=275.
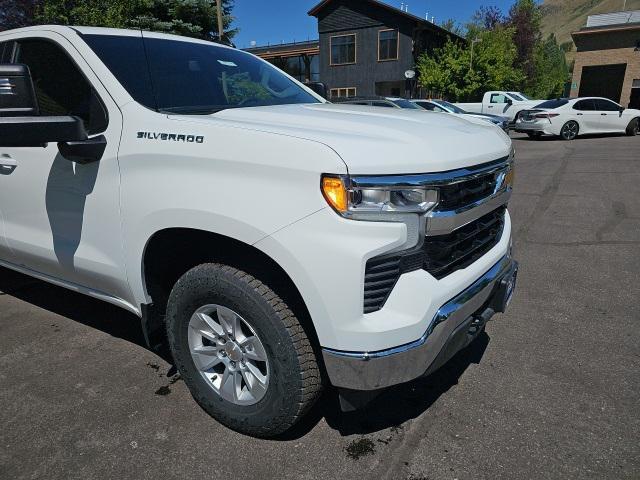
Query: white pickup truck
x=277, y=243
x=506, y=104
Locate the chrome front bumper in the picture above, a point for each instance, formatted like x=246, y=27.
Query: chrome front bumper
x=450, y=330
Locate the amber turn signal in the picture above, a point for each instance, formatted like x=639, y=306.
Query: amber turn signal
x=335, y=193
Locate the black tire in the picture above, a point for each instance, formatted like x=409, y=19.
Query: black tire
x=294, y=377
x=570, y=130
x=634, y=127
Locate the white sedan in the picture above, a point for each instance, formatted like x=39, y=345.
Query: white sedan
x=568, y=118
x=447, y=107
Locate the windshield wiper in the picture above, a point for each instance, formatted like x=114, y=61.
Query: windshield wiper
x=192, y=110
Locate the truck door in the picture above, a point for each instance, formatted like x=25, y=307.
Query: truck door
x=497, y=104
x=6, y=164
x=62, y=218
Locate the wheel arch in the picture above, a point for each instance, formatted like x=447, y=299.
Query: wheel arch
x=162, y=267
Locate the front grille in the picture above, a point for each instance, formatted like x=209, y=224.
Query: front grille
x=444, y=254
x=439, y=255
x=464, y=193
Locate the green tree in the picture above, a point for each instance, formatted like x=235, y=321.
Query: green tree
x=96, y=13
x=525, y=18
x=193, y=18
x=449, y=71
x=551, y=70
x=452, y=26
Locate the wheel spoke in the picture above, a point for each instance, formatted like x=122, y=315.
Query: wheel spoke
x=205, y=326
x=227, y=385
x=211, y=323
x=254, y=349
x=205, y=357
x=256, y=382
x=229, y=321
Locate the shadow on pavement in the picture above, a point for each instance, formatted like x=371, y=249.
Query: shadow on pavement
x=391, y=408
x=395, y=405
x=74, y=306
x=551, y=138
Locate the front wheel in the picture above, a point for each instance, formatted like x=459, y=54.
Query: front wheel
x=634, y=127
x=241, y=351
x=569, y=130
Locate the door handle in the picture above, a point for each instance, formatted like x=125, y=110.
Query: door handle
x=7, y=162
x=603, y=114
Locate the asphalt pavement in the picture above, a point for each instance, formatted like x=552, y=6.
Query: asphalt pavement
x=551, y=390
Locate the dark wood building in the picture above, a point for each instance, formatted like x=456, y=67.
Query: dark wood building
x=366, y=46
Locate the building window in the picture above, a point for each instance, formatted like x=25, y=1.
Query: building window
x=387, y=45
x=343, y=92
x=343, y=49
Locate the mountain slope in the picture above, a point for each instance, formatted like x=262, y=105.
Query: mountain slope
x=562, y=17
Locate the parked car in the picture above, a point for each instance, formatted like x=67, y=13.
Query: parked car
x=272, y=239
x=447, y=107
x=376, y=101
x=508, y=104
x=568, y=118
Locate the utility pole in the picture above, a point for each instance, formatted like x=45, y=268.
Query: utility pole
x=473, y=42
x=220, y=26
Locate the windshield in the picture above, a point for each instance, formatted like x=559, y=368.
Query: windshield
x=450, y=106
x=194, y=78
x=519, y=96
x=402, y=103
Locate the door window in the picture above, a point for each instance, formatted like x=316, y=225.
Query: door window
x=382, y=104
x=427, y=106
x=498, y=98
x=606, y=105
x=585, y=105
x=61, y=88
x=5, y=51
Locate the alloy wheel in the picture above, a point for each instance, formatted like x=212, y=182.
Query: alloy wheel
x=569, y=130
x=228, y=354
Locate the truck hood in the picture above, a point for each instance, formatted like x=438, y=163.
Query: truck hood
x=376, y=140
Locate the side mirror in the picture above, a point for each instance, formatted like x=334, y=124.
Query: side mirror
x=20, y=123
x=509, y=101
x=319, y=88
x=17, y=96
x=621, y=109
x=37, y=131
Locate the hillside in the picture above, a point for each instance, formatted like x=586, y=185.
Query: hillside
x=565, y=16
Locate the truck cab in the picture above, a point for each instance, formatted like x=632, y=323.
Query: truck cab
x=503, y=103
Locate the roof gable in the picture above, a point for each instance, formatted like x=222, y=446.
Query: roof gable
x=389, y=10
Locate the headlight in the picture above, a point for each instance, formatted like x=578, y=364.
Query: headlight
x=365, y=203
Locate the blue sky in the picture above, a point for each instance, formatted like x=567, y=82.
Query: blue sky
x=275, y=21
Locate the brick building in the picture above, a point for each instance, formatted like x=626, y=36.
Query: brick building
x=608, y=58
